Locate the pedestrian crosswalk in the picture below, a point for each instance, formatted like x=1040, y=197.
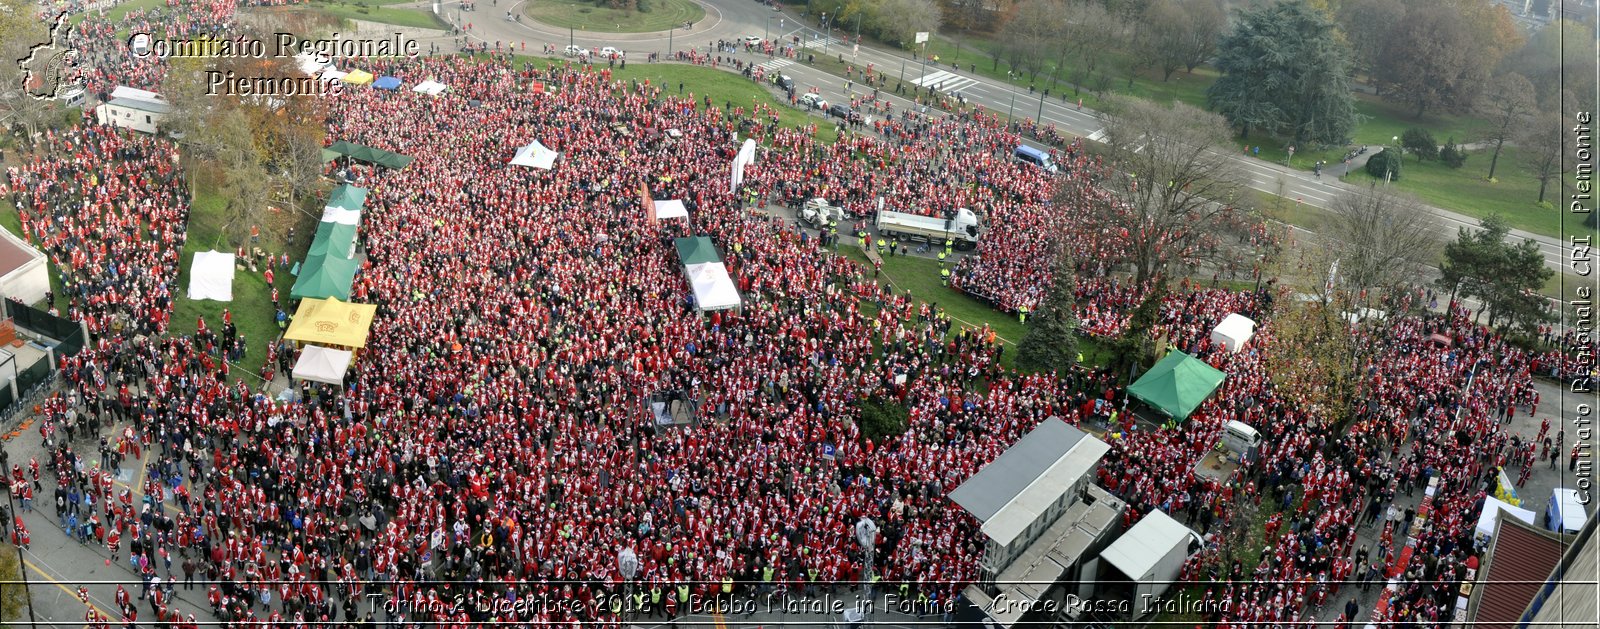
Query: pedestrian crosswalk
x=775, y=64
x=944, y=81
x=823, y=42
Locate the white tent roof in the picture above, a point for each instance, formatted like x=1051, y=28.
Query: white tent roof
x=535, y=155
x=1139, y=549
x=713, y=288
x=322, y=364
x=333, y=214
x=671, y=208
x=1493, y=506
x=333, y=74
x=1234, y=331
x=430, y=87
x=211, y=276
x=309, y=64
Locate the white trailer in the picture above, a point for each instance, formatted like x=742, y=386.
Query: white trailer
x=1150, y=555
x=962, y=228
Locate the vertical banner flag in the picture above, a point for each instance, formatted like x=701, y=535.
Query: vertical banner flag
x=747, y=155
x=649, y=203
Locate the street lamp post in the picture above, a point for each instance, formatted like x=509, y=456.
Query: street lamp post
x=766, y=31
x=1040, y=118
x=1013, y=108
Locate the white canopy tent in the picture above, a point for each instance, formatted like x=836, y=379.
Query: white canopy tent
x=671, y=208
x=713, y=287
x=331, y=73
x=309, y=63
x=211, y=276
x=1492, y=507
x=535, y=155
x=322, y=364
x=340, y=215
x=430, y=87
x=1234, y=331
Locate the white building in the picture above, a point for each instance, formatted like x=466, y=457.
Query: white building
x=135, y=109
x=24, y=275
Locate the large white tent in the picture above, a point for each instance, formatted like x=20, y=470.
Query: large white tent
x=1492, y=507
x=535, y=155
x=211, y=276
x=670, y=208
x=713, y=287
x=322, y=364
x=1234, y=331
x=430, y=87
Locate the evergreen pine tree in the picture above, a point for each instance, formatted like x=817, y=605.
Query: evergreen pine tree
x=1051, y=343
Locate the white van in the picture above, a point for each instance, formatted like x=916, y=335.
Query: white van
x=1566, y=513
x=1240, y=439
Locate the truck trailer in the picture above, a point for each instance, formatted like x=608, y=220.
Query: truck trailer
x=962, y=228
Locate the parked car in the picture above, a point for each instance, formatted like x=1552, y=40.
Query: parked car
x=839, y=111
x=610, y=53
x=751, y=40
x=811, y=100
x=783, y=81
x=577, y=51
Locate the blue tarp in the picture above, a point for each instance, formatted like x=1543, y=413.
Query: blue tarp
x=386, y=83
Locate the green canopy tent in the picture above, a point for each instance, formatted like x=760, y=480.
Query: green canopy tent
x=325, y=276
x=696, y=250
x=1177, y=385
x=347, y=197
x=370, y=155
x=332, y=239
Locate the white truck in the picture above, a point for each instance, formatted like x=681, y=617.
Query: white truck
x=962, y=228
x=818, y=213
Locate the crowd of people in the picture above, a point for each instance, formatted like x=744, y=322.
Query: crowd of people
x=493, y=443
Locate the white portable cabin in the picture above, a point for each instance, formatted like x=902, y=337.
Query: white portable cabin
x=135, y=109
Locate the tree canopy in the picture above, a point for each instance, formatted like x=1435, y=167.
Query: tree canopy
x=1050, y=342
x=1284, y=71
x=1505, y=277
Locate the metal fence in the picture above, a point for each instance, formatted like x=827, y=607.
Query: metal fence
x=68, y=333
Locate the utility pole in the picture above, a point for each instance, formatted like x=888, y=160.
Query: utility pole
x=1040, y=118
x=902, y=70
x=669, y=41
x=1013, y=107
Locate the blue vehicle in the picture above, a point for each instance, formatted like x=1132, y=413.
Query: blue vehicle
x=1036, y=157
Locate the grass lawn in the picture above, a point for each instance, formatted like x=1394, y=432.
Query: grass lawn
x=252, y=297
x=588, y=16
x=920, y=276
x=1465, y=190
x=376, y=11
x=1382, y=122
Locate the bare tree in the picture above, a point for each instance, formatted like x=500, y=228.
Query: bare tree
x=1507, y=104
x=1038, y=24
x=1543, y=140
x=1169, y=163
x=1087, y=26
x=1207, y=21
x=1381, y=239
x=898, y=21
x=19, y=32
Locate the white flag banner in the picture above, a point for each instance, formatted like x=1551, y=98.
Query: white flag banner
x=746, y=156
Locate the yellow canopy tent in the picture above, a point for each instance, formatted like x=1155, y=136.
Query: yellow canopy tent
x=358, y=77
x=331, y=322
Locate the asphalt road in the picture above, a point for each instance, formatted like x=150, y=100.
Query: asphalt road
x=734, y=19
